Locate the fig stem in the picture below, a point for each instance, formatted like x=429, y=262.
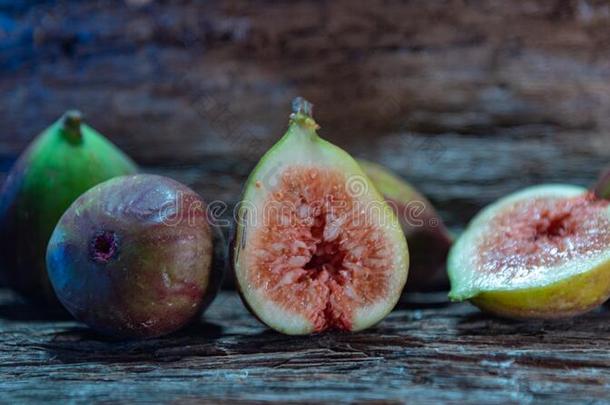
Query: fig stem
x=302, y=106
x=71, y=125
x=302, y=113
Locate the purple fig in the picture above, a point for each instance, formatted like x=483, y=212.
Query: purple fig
x=133, y=257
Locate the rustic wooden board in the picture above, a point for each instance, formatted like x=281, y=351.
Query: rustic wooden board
x=469, y=100
x=448, y=353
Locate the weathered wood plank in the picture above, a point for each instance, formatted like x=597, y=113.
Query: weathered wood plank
x=468, y=99
x=452, y=353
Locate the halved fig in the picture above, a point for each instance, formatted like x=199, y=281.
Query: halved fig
x=316, y=247
x=428, y=238
x=543, y=252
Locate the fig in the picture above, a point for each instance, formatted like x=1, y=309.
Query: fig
x=602, y=187
x=543, y=252
x=316, y=248
x=64, y=161
x=133, y=257
x=428, y=238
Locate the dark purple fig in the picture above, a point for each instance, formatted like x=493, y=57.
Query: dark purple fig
x=133, y=257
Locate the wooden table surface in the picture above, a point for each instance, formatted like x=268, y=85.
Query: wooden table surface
x=426, y=354
x=469, y=100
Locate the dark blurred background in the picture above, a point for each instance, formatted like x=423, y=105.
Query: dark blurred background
x=469, y=100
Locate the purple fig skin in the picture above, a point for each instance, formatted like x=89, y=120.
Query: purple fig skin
x=219, y=268
x=134, y=257
x=428, y=239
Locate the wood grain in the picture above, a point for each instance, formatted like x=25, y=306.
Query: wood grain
x=448, y=353
x=469, y=100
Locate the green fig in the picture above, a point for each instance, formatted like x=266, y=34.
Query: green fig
x=64, y=161
x=428, y=238
x=316, y=247
x=543, y=252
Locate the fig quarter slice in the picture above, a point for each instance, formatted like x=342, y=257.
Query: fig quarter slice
x=316, y=247
x=543, y=252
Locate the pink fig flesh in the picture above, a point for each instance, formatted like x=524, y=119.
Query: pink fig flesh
x=316, y=246
x=308, y=255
